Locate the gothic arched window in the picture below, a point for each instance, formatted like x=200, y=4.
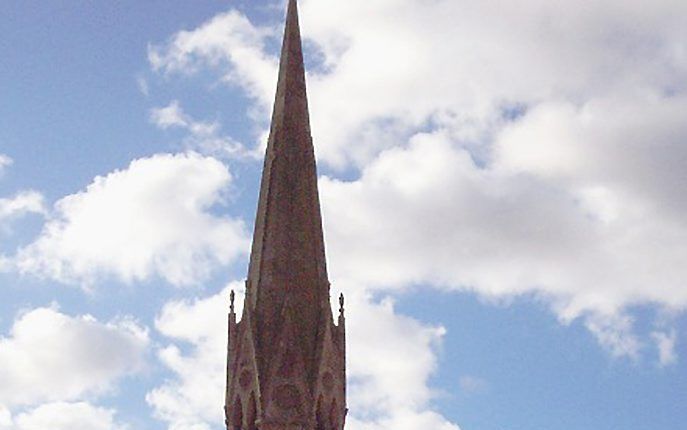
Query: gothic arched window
x=252, y=414
x=334, y=416
x=237, y=417
x=320, y=416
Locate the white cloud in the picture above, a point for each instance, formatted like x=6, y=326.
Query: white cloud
x=665, y=343
x=143, y=86
x=504, y=149
x=171, y=116
x=615, y=333
x=228, y=42
x=382, y=378
x=459, y=63
x=427, y=214
x=5, y=162
x=403, y=420
x=204, y=137
x=50, y=356
x=64, y=416
x=395, y=67
x=5, y=417
x=150, y=219
x=190, y=399
x=472, y=384
x=387, y=391
x=631, y=146
x=22, y=203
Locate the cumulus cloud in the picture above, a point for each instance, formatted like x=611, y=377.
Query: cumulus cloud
x=5, y=417
x=470, y=384
x=386, y=73
x=512, y=149
x=666, y=343
x=173, y=116
x=428, y=214
x=383, y=380
x=203, y=136
x=151, y=219
x=5, y=161
x=143, y=86
x=24, y=202
x=64, y=416
x=539, y=235
x=386, y=390
x=396, y=66
x=554, y=158
x=403, y=420
x=51, y=356
x=230, y=43
x=189, y=399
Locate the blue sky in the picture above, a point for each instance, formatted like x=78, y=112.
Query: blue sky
x=502, y=191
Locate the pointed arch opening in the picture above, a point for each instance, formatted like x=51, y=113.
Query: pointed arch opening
x=334, y=416
x=320, y=417
x=252, y=414
x=237, y=415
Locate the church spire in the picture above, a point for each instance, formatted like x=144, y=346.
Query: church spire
x=286, y=362
x=288, y=220
x=287, y=257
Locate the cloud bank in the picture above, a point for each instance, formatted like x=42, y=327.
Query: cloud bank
x=517, y=149
x=502, y=149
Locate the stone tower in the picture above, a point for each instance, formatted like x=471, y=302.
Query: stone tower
x=286, y=357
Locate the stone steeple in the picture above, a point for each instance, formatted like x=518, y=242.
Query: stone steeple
x=286, y=357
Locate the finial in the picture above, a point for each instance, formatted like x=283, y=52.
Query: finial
x=341, y=303
x=232, y=296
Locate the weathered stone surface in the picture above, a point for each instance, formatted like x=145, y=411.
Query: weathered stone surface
x=286, y=357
